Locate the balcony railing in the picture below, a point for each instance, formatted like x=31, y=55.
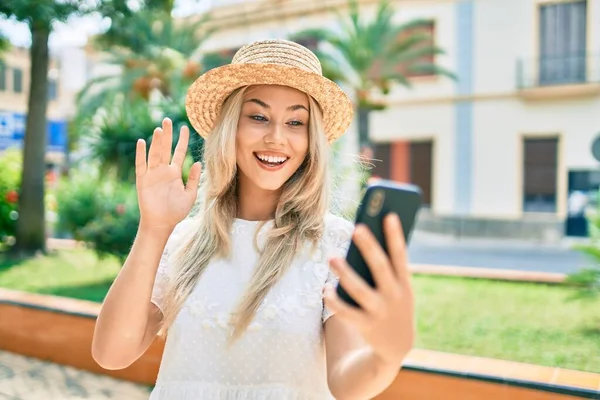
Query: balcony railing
x=558, y=70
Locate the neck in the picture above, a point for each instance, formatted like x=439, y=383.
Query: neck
x=254, y=203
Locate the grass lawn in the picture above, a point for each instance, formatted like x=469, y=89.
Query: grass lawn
x=74, y=273
x=524, y=322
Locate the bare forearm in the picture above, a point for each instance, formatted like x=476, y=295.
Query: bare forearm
x=361, y=376
x=123, y=319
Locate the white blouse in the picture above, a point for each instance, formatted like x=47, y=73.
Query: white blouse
x=281, y=355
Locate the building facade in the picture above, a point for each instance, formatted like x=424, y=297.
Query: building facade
x=506, y=149
x=14, y=92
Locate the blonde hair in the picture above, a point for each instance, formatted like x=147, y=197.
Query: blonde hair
x=299, y=217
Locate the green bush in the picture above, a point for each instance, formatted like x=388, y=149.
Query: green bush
x=588, y=279
x=77, y=202
x=10, y=179
x=101, y=212
x=113, y=229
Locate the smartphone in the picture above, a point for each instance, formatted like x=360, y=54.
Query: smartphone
x=380, y=199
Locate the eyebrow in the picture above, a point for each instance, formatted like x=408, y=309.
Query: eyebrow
x=265, y=105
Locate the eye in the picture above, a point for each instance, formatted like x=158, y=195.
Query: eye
x=296, y=123
x=258, y=118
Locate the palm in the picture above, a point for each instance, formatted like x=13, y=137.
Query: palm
x=163, y=198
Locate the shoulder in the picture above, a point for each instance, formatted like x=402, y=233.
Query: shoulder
x=338, y=233
x=338, y=226
x=182, y=231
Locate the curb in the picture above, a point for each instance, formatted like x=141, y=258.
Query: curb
x=487, y=273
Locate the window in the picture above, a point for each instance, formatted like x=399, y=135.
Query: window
x=563, y=42
x=18, y=80
x=52, y=89
x=539, y=174
x=421, y=162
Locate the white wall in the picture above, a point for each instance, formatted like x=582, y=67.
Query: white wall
x=280, y=29
x=576, y=119
x=498, y=129
x=504, y=32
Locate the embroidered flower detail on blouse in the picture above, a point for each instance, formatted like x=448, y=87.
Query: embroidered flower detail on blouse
x=339, y=241
x=270, y=312
x=312, y=299
x=317, y=256
x=254, y=326
x=285, y=307
x=238, y=227
x=200, y=307
x=223, y=320
x=208, y=323
x=343, y=247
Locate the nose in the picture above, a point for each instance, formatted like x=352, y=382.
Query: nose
x=275, y=135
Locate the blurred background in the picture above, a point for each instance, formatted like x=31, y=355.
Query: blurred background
x=490, y=106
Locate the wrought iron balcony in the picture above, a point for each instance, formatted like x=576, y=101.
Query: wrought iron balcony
x=548, y=71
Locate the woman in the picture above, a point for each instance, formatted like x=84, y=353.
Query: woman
x=244, y=289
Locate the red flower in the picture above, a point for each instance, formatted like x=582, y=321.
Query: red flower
x=12, y=197
x=120, y=209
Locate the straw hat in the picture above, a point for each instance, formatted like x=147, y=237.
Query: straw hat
x=268, y=62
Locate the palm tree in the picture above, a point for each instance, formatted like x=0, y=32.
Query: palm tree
x=39, y=15
x=161, y=53
x=121, y=32
x=156, y=61
x=370, y=56
x=112, y=139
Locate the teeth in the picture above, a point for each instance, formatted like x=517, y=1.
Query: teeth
x=272, y=159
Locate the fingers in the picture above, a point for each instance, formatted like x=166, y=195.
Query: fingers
x=154, y=154
x=181, y=148
x=167, y=141
x=377, y=260
x=194, y=178
x=343, y=309
x=140, y=157
x=366, y=297
x=396, y=245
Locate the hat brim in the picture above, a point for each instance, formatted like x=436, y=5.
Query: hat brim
x=206, y=95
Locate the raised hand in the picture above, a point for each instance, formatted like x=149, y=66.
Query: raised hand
x=163, y=199
x=386, y=317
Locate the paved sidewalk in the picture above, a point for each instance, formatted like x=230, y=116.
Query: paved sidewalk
x=441, y=250
x=23, y=378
